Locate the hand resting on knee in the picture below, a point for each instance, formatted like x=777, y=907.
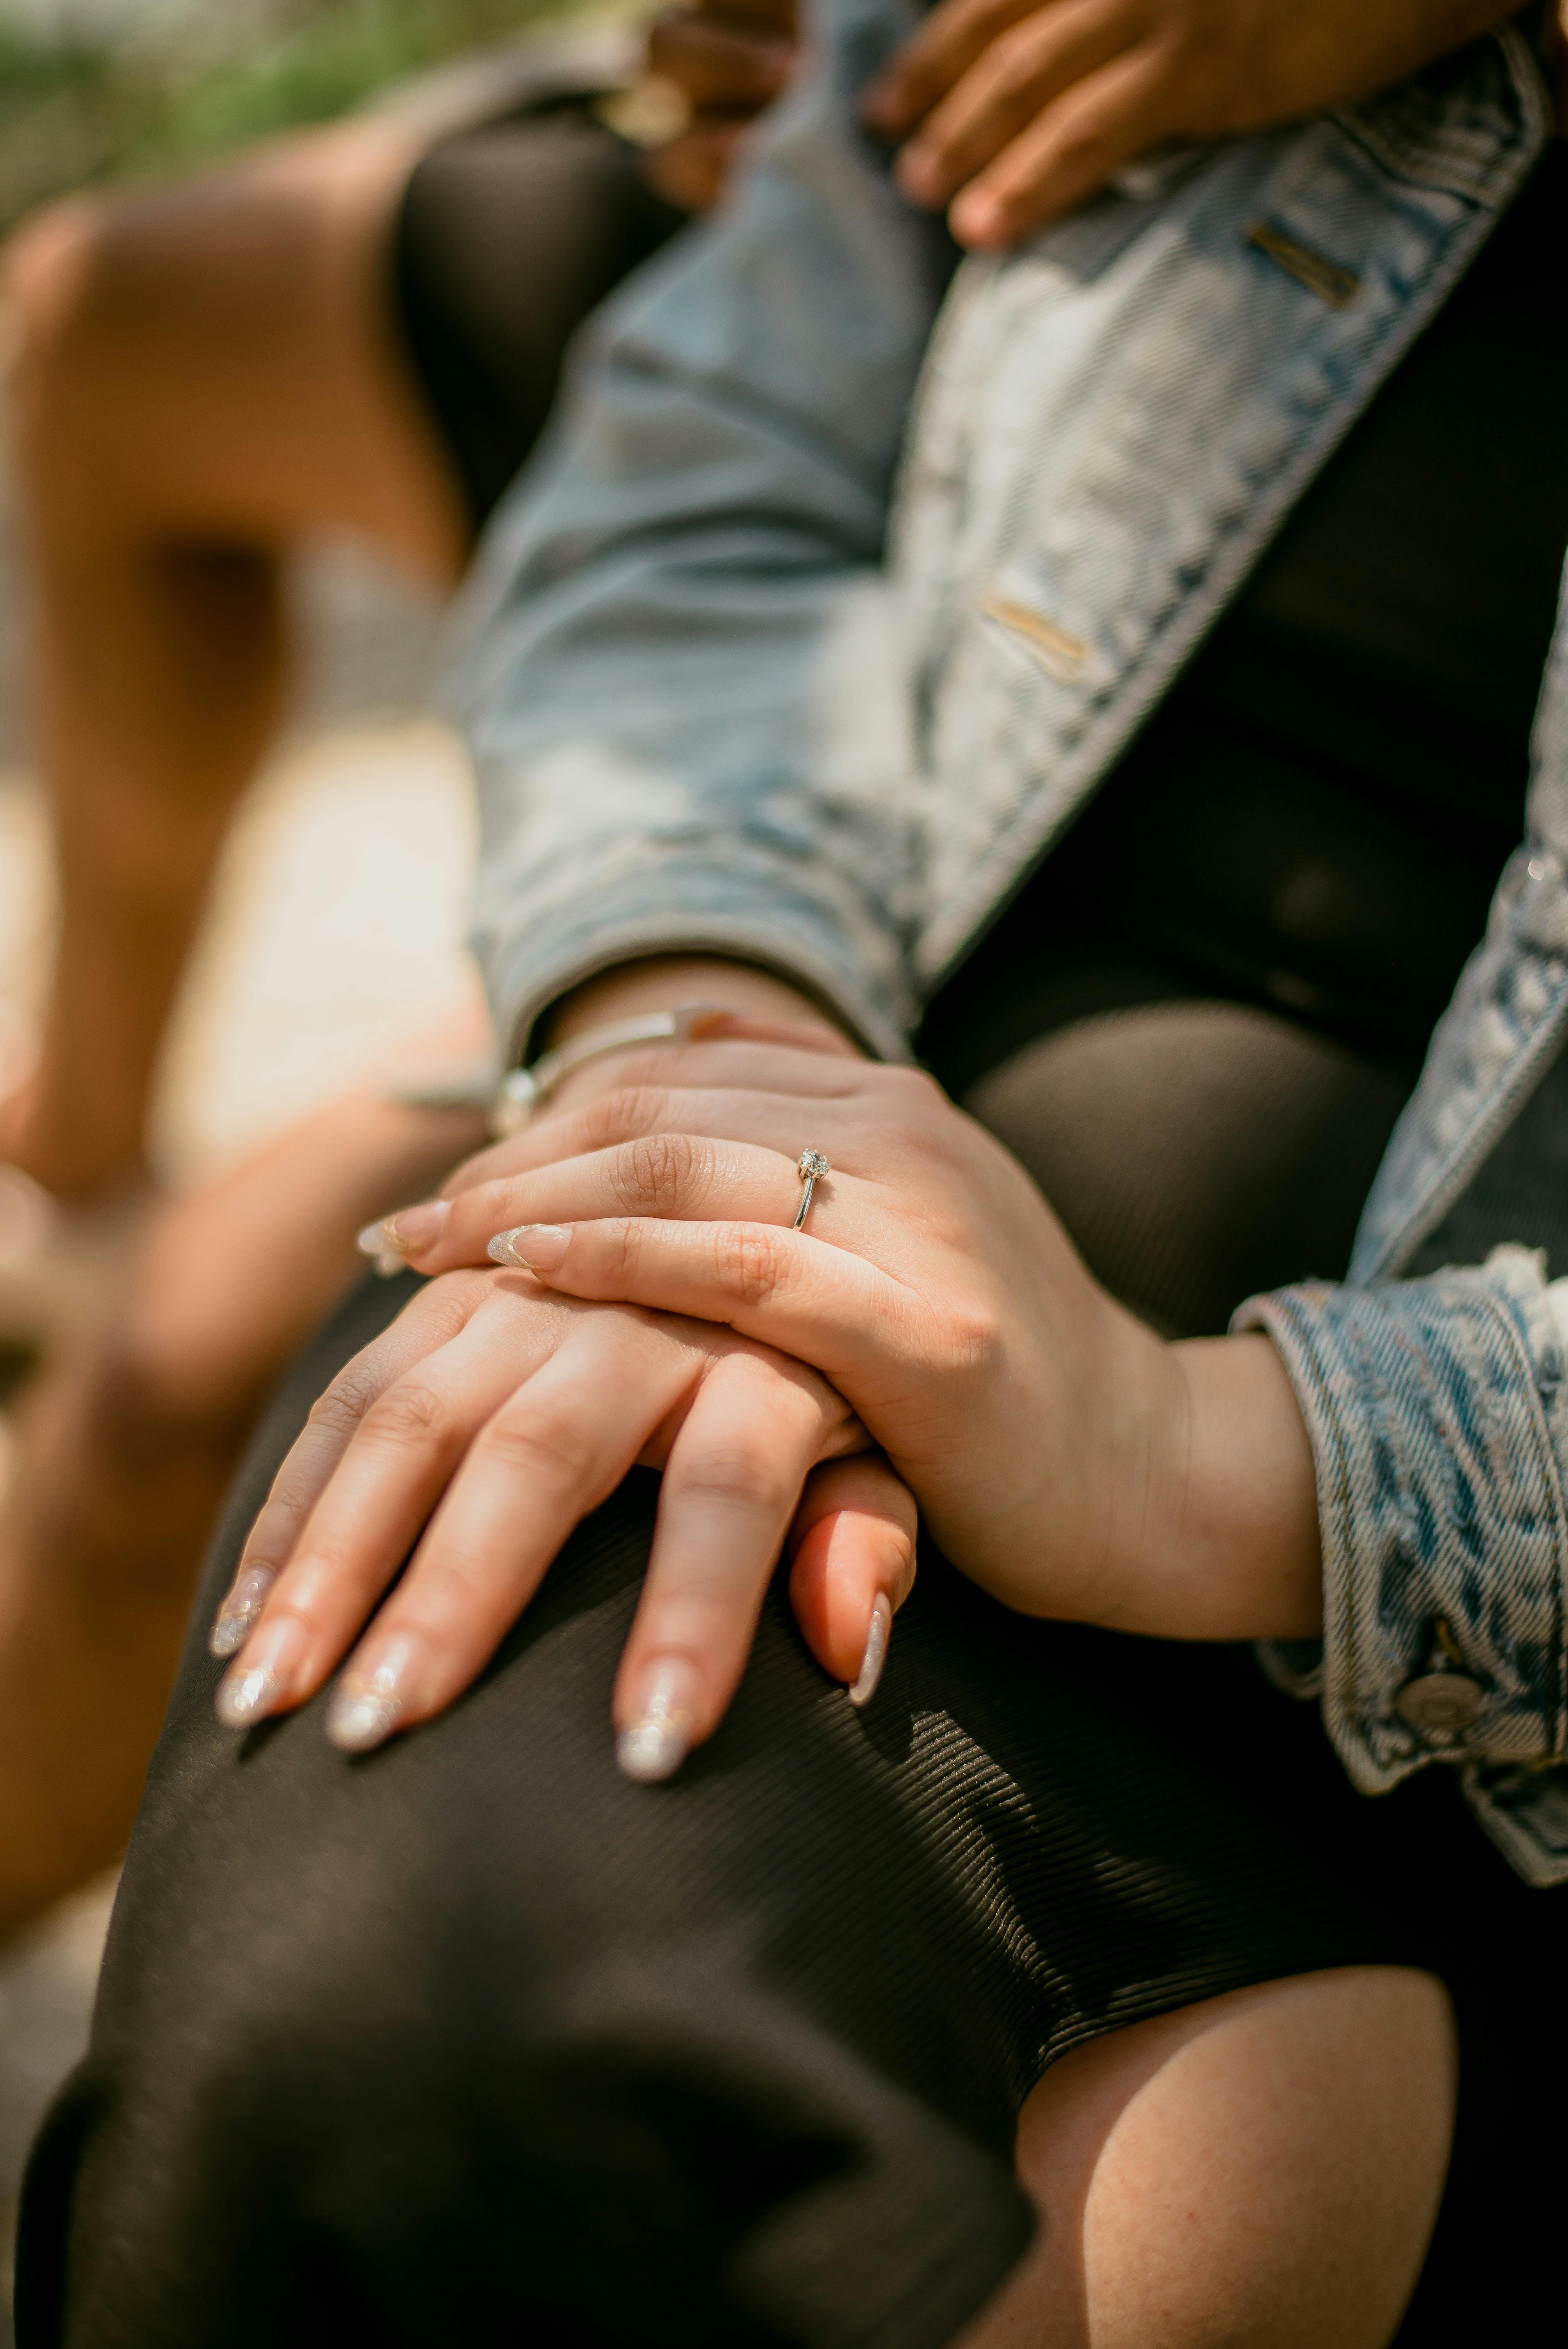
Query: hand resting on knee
x=477, y=1433
x=653, y=1304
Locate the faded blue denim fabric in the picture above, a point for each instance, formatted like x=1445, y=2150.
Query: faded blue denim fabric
x=1439, y=1423
x=682, y=693
x=728, y=688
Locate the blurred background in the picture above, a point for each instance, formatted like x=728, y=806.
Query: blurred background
x=338, y=924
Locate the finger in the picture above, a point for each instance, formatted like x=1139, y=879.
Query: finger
x=721, y=63
x=688, y=1176
x=1119, y=112
x=730, y=1487
x=403, y=1453
x=429, y=1321
x=773, y=1120
x=853, y=1543
x=728, y=1066
x=1004, y=91
x=551, y=1453
x=825, y=1306
x=944, y=45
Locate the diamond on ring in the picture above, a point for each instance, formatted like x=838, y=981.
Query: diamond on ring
x=811, y=1166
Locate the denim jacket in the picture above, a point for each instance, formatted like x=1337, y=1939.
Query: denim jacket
x=751, y=666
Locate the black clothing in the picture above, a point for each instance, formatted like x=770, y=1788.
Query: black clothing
x=507, y=236
x=1315, y=818
x=472, y=2042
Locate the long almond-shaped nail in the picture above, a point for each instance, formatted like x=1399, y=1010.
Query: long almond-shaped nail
x=656, y=1741
x=368, y=1705
x=875, y=1656
x=244, y=1602
x=533, y=1248
x=256, y=1682
x=409, y=1232
x=360, y=1717
x=246, y=1697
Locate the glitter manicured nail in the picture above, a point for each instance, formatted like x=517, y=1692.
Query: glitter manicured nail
x=366, y=1706
x=360, y=1718
x=657, y=1742
x=244, y=1601
x=246, y=1698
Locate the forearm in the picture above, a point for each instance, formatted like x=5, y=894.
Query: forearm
x=682, y=690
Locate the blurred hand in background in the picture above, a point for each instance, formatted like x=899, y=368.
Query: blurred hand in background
x=727, y=59
x=1011, y=111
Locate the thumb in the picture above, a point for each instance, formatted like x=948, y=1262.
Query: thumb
x=852, y=1546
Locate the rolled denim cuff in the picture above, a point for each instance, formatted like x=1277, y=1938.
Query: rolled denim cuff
x=1440, y=1427
x=743, y=908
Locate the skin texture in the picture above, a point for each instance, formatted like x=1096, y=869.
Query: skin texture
x=139, y=422
x=1010, y=113
x=1261, y=2169
x=1067, y=1459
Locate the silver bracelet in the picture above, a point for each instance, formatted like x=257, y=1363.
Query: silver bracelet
x=521, y=1091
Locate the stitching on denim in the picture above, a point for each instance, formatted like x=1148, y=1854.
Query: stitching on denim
x=1450, y=1174
x=1193, y=608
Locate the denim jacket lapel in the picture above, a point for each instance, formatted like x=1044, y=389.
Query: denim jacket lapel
x=1114, y=418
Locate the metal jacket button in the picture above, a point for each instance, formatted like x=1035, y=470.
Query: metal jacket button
x=1441, y=1703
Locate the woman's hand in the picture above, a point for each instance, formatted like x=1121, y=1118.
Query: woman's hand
x=1066, y=1457
x=476, y=1432
x=1013, y=110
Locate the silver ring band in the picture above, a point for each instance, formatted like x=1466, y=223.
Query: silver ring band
x=810, y=1167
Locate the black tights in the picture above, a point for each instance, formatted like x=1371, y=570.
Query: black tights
x=471, y=2041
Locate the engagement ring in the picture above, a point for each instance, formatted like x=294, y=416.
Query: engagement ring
x=811, y=1168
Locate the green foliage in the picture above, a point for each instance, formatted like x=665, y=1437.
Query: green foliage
x=75, y=109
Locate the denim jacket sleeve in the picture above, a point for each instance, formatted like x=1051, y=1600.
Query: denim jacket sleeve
x=679, y=685
x=1439, y=1416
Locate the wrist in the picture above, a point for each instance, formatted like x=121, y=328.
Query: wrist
x=1210, y=1501
x=658, y=982
x=1237, y=1556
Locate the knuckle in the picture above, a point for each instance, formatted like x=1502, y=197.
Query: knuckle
x=626, y=1111
x=411, y=1415
x=747, y=1265
x=739, y=1477
x=554, y=1451
x=654, y=1172
x=344, y=1404
x=1012, y=55
x=971, y=1340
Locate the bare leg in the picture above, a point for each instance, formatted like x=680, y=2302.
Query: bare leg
x=1260, y=2171
x=126, y=1445
x=205, y=374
